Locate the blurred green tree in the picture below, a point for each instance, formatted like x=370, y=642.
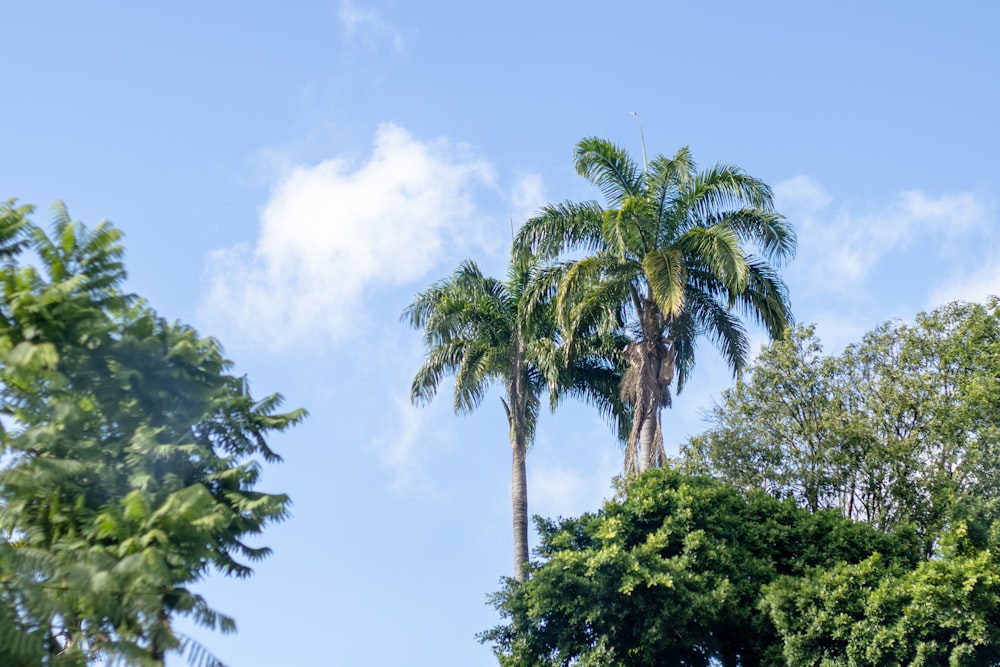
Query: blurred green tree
x=129, y=457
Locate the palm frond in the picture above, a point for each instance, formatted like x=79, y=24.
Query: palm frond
x=468, y=278
x=667, y=178
x=472, y=378
x=196, y=654
x=666, y=275
x=765, y=300
x=441, y=360
x=610, y=168
x=543, y=285
x=767, y=231
x=722, y=327
x=597, y=383
x=629, y=231
x=559, y=228
x=718, y=189
x=677, y=170
x=532, y=405
x=684, y=332
x=716, y=247
x=601, y=309
x=591, y=293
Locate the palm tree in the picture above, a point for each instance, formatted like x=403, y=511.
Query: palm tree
x=676, y=254
x=487, y=331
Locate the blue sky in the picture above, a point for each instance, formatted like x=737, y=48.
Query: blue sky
x=289, y=175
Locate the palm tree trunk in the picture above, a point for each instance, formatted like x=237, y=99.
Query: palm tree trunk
x=650, y=371
x=647, y=441
x=519, y=501
x=518, y=477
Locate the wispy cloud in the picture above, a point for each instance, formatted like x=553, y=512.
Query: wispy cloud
x=976, y=285
x=840, y=244
x=332, y=233
x=801, y=193
x=369, y=27
x=527, y=197
x=401, y=445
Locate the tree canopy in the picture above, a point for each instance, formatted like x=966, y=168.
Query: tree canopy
x=879, y=613
x=672, y=573
x=129, y=457
x=895, y=430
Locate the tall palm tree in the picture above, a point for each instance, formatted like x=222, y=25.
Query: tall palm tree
x=487, y=331
x=677, y=253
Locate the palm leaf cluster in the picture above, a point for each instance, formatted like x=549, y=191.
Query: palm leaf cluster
x=676, y=253
x=485, y=332
x=129, y=458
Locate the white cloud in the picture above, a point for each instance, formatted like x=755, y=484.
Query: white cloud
x=332, y=233
x=975, y=286
x=368, y=26
x=407, y=438
x=401, y=446
x=801, y=193
x=840, y=245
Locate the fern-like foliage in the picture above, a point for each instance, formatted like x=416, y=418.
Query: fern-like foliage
x=128, y=458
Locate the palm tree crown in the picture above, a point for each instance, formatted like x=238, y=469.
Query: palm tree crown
x=677, y=253
x=485, y=331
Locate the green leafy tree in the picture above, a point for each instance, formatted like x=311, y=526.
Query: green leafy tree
x=672, y=573
x=130, y=458
x=677, y=253
x=780, y=429
x=880, y=613
x=898, y=429
x=485, y=331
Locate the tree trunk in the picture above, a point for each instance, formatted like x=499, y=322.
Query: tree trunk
x=519, y=501
x=647, y=441
x=516, y=394
x=646, y=383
